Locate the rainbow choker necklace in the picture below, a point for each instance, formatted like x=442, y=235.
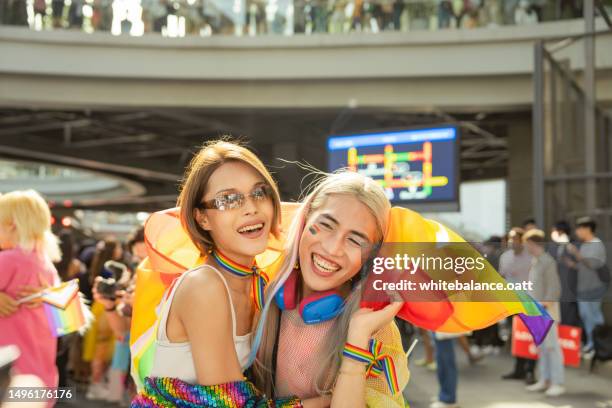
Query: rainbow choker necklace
x=260, y=279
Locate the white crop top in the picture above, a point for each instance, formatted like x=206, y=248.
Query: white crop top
x=175, y=359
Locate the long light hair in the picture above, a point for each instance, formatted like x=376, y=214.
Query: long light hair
x=371, y=194
x=30, y=215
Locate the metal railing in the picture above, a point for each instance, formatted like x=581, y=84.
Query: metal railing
x=178, y=18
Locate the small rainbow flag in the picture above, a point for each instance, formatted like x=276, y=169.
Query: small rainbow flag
x=65, y=309
x=65, y=321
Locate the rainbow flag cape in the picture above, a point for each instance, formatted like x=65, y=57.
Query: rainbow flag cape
x=65, y=309
x=171, y=253
x=454, y=313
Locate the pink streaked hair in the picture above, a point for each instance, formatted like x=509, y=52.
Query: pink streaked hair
x=294, y=235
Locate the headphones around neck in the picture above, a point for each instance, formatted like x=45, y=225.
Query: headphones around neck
x=320, y=306
x=316, y=308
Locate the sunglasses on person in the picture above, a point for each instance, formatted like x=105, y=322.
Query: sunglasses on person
x=232, y=200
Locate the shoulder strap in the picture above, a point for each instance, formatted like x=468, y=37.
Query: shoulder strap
x=229, y=295
x=164, y=307
x=169, y=296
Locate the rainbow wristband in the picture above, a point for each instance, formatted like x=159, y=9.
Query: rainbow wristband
x=357, y=354
x=378, y=363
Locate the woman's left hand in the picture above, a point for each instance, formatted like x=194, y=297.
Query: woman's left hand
x=366, y=322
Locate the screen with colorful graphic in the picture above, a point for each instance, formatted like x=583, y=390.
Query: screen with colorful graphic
x=417, y=165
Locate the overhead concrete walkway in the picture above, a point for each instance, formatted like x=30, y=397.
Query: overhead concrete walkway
x=485, y=69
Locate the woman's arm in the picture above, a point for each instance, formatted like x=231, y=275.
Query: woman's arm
x=117, y=323
x=318, y=402
x=351, y=382
x=201, y=305
x=8, y=305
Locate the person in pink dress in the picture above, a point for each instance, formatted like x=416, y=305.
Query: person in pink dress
x=28, y=249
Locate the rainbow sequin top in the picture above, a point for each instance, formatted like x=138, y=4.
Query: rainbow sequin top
x=163, y=392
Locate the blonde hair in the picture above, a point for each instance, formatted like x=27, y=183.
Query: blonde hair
x=371, y=194
x=30, y=215
x=210, y=157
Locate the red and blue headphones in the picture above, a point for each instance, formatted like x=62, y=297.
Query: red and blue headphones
x=315, y=308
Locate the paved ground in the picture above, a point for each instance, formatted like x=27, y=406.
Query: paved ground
x=480, y=386
x=80, y=401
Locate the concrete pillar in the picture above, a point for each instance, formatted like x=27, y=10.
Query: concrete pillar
x=520, y=165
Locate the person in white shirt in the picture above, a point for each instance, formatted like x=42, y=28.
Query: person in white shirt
x=546, y=289
x=515, y=262
x=514, y=266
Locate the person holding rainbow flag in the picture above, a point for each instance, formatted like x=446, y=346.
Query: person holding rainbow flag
x=313, y=337
x=26, y=262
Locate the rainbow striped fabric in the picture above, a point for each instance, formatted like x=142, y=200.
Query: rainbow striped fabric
x=172, y=392
x=383, y=363
x=378, y=363
x=260, y=278
x=453, y=313
x=64, y=309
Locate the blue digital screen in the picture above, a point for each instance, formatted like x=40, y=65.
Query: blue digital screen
x=417, y=165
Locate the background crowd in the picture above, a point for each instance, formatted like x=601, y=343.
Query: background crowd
x=98, y=360
x=570, y=276
x=258, y=17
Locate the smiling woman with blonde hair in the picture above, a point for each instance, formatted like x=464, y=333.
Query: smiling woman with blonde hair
x=309, y=335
